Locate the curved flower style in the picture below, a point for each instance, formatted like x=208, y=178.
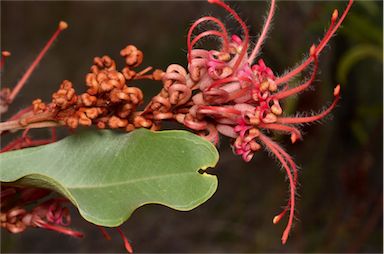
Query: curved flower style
x=239, y=96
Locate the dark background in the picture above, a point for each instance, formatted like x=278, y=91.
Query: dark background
x=340, y=203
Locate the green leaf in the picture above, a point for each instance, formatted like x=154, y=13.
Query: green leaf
x=108, y=175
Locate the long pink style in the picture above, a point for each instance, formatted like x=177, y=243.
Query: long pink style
x=328, y=35
x=272, y=146
x=243, y=26
x=263, y=34
x=223, y=34
x=62, y=26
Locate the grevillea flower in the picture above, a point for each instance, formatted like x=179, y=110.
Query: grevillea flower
x=228, y=91
x=51, y=214
x=239, y=96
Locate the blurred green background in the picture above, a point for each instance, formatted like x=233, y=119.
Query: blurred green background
x=340, y=207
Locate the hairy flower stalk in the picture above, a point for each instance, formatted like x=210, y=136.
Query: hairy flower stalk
x=227, y=91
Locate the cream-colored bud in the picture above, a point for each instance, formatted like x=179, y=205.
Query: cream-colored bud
x=276, y=109
x=264, y=86
x=270, y=118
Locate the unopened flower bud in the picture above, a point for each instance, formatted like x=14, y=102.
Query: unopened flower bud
x=254, y=132
x=116, y=122
x=277, y=218
x=264, y=86
x=117, y=95
x=335, y=14
x=336, y=91
x=92, y=113
x=293, y=138
x=276, y=109
x=272, y=86
x=72, y=122
x=88, y=100
x=312, y=50
x=140, y=121
x=106, y=86
x=270, y=118
x=128, y=73
x=101, y=125
x=158, y=74
x=179, y=118
x=85, y=121
x=63, y=25
x=254, y=146
x=255, y=120
x=130, y=127
x=38, y=106
x=133, y=56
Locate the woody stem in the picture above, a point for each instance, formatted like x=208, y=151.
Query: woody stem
x=30, y=121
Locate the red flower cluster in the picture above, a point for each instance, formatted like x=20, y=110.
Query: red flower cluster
x=239, y=95
x=51, y=214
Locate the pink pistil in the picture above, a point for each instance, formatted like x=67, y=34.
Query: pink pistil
x=127, y=245
x=261, y=39
x=322, y=44
x=198, y=22
x=333, y=31
x=207, y=33
x=269, y=144
x=62, y=26
x=302, y=87
x=4, y=54
x=244, y=27
x=279, y=127
x=299, y=120
x=42, y=224
x=104, y=232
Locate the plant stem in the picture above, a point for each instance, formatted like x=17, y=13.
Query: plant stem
x=31, y=120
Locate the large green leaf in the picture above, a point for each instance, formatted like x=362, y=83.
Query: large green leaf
x=108, y=175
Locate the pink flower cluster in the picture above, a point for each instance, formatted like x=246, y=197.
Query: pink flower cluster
x=50, y=214
x=240, y=96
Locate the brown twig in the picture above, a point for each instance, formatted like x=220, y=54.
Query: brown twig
x=31, y=120
x=13, y=126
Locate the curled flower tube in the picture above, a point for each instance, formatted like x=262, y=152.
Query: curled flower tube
x=240, y=96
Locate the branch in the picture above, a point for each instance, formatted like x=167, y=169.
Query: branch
x=31, y=121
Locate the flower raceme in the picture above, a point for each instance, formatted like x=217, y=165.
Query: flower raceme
x=239, y=96
x=227, y=91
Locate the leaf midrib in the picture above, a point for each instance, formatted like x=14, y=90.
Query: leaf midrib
x=130, y=181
